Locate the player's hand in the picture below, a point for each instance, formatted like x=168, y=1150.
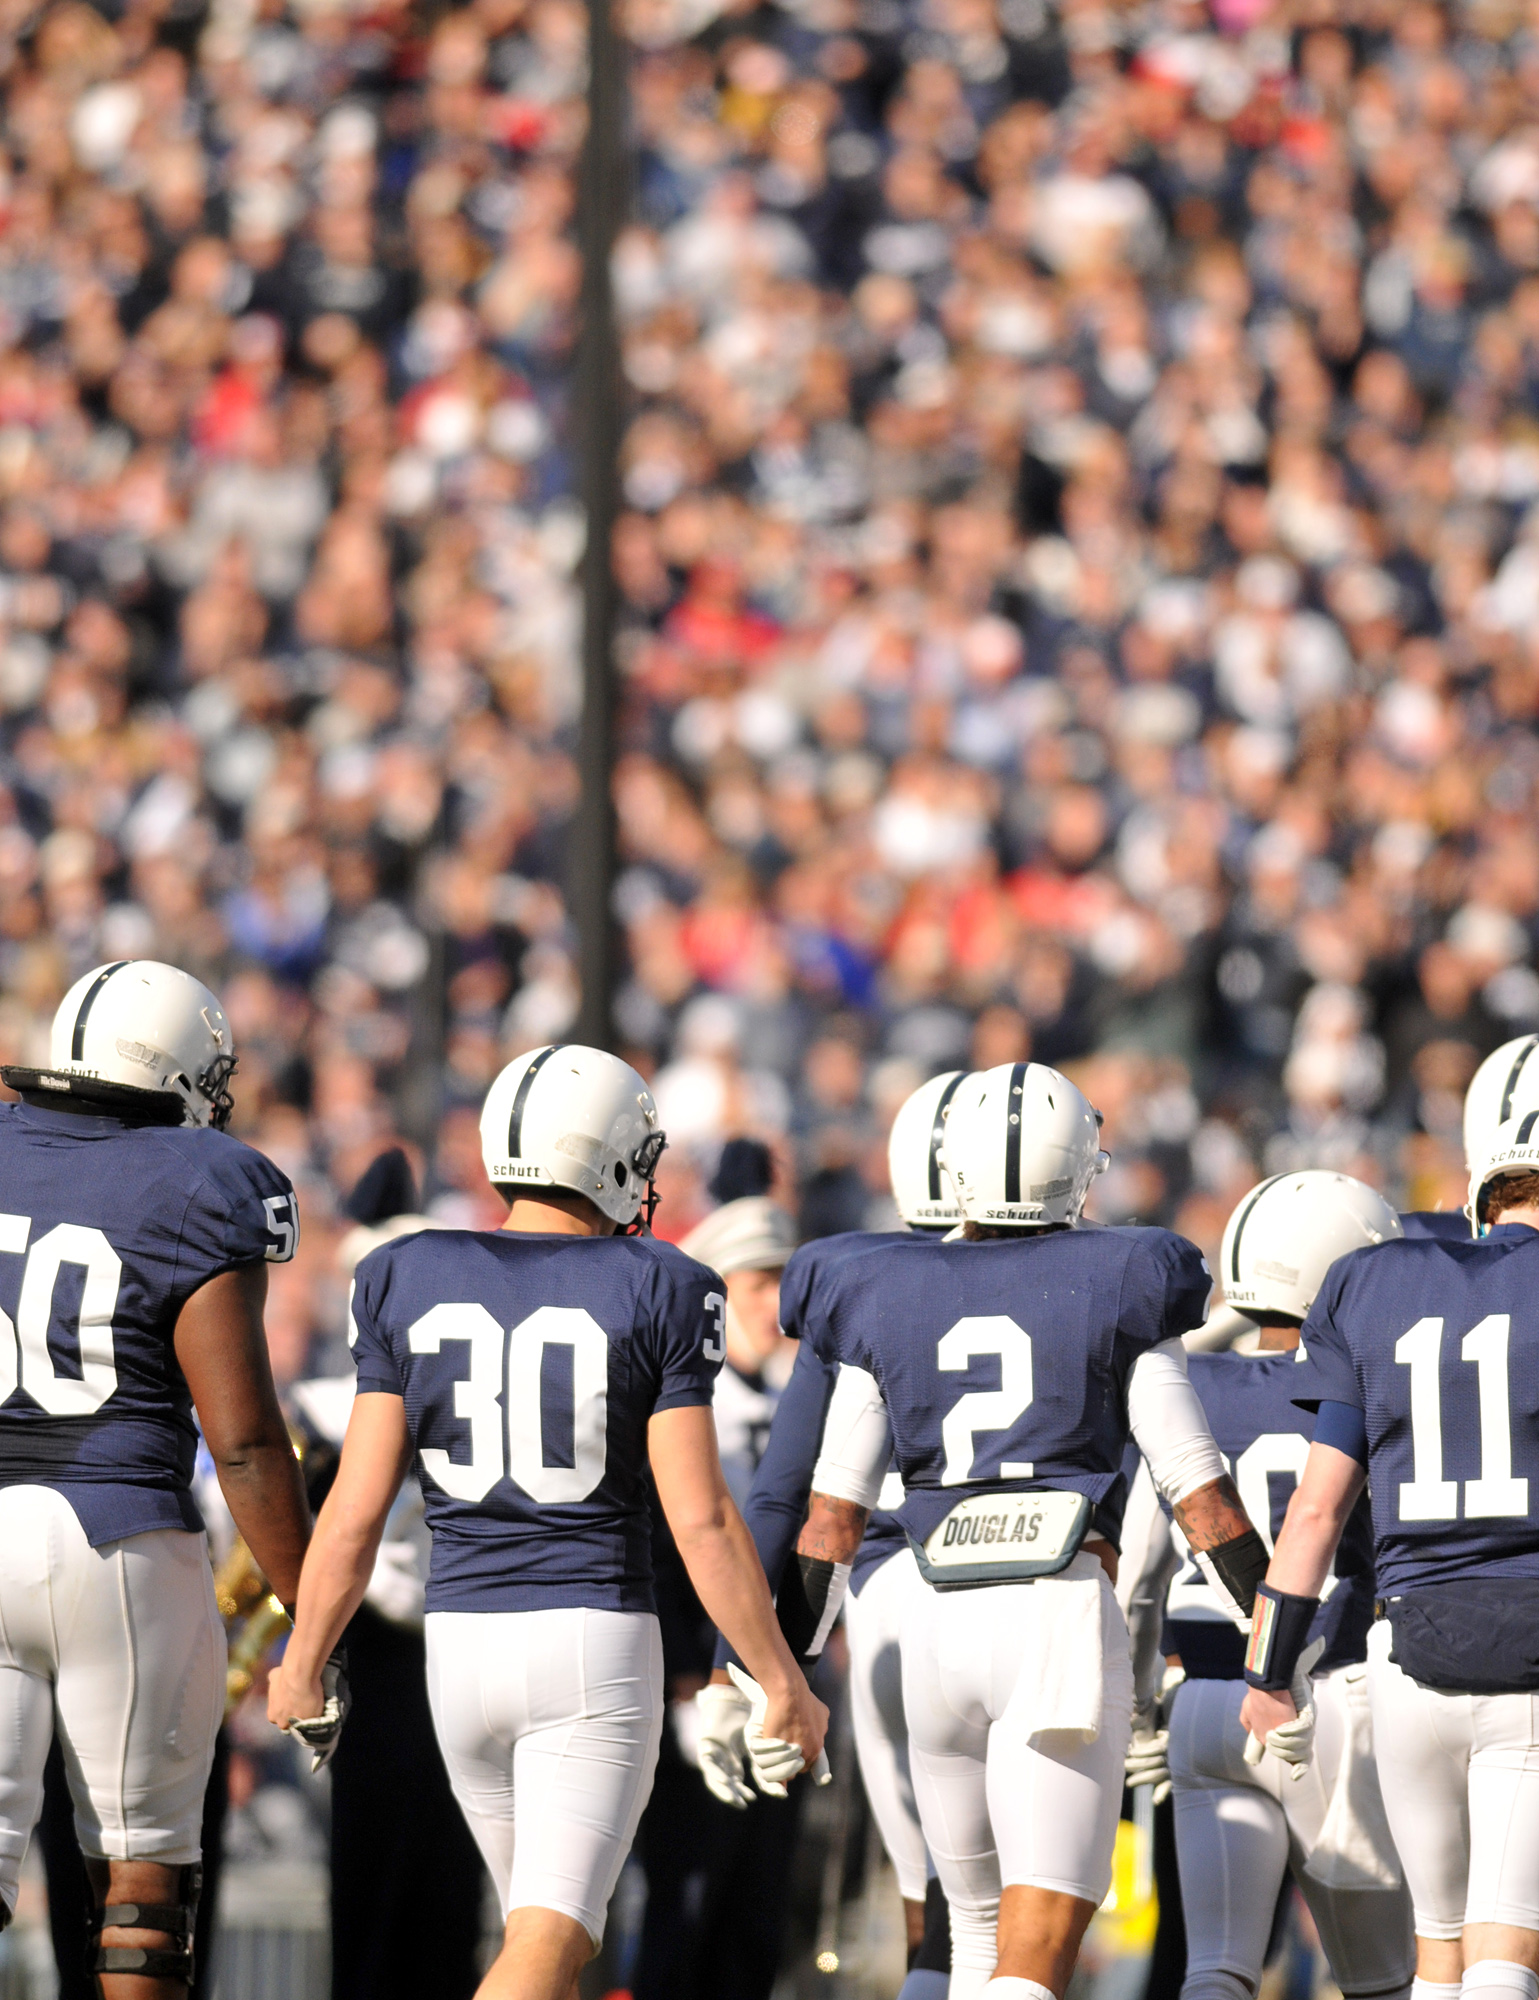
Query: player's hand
x=724, y=1711
x=314, y=1709
x=1148, y=1761
x=785, y=1736
x=1284, y=1724
x=1148, y=1758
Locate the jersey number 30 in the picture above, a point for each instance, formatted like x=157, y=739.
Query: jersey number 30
x=516, y=1447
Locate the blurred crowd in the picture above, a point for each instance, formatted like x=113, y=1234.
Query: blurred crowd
x=1079, y=568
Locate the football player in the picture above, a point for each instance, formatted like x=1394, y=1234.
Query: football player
x=531, y=1372
x=1240, y=1823
x=883, y=1571
x=1423, y=1366
x=135, y=1236
x=1005, y=1373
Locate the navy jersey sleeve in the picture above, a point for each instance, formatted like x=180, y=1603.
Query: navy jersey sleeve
x=1167, y=1289
x=378, y=1373
x=777, y=1501
x=242, y=1212
x=689, y=1329
x=1326, y=1373
x=796, y=1291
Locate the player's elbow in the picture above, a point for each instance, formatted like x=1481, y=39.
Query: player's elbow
x=1314, y=1521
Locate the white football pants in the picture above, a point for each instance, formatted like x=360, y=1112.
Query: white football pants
x=873, y=1624
x=120, y=1648
x=1239, y=1827
x=1460, y=1778
x=999, y=1805
x=549, y=1723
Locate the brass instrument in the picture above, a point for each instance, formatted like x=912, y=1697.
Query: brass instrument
x=253, y=1620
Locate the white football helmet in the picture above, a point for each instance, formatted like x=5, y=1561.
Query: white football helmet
x=1286, y=1234
x=921, y=1187
x=566, y=1116
x=134, y=1031
x=1513, y=1148
x=1022, y=1146
x=1504, y=1087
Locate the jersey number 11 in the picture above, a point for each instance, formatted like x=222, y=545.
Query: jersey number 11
x=1428, y=1496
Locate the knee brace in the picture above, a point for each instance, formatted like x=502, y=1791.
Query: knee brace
x=1215, y=1985
x=177, y=1919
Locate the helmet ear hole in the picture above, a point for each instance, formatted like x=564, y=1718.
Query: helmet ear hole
x=621, y=1176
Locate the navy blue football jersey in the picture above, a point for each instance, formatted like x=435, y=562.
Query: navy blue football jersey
x=1004, y=1363
x=106, y=1230
x=530, y=1365
x=1447, y=1225
x=1264, y=1437
x=1436, y=1342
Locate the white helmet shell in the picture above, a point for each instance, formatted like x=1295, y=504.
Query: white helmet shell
x=1504, y=1087
x=1286, y=1234
x=921, y=1187
x=141, y=1027
x=1022, y=1146
x=1513, y=1148
x=567, y=1116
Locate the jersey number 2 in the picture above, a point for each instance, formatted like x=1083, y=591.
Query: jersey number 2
x=517, y=1448
x=1428, y=1496
x=985, y=1336
x=26, y=1361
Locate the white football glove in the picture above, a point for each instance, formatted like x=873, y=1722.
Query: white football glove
x=724, y=1713
x=773, y=1761
x=1293, y=1743
x=1148, y=1758
x=321, y=1733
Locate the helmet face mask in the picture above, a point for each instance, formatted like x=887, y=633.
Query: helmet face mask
x=577, y=1119
x=1284, y=1236
x=1022, y=1146
x=139, y=1038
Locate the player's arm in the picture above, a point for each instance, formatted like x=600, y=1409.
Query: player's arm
x=846, y=1482
x=724, y=1567
x=777, y=1500
x=1172, y=1432
x=340, y=1561
x=221, y=1346
x=1317, y=1514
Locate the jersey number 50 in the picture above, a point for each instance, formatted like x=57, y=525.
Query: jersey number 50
x=516, y=1448
x=25, y=1357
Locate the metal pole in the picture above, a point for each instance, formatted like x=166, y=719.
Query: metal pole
x=597, y=417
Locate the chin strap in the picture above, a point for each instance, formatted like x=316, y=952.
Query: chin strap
x=176, y=1920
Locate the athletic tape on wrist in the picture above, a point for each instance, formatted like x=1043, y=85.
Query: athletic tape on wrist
x=1240, y=1565
x=811, y=1592
x=1279, y=1633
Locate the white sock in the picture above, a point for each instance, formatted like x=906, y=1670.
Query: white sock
x=1500, y=1979
x=1017, y=1989
x=1433, y=1989
x=925, y=1986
